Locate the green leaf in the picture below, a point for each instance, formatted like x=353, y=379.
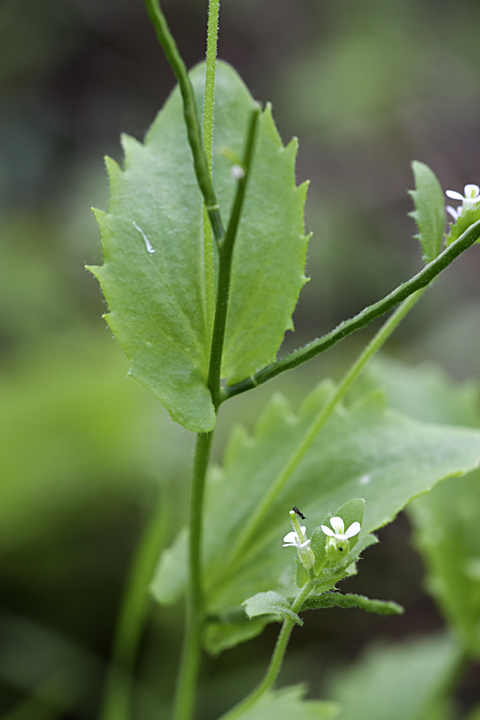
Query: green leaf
x=270, y=603
x=398, y=681
x=335, y=599
x=367, y=449
x=466, y=219
x=155, y=272
x=446, y=520
x=301, y=574
x=429, y=213
x=288, y=703
x=447, y=533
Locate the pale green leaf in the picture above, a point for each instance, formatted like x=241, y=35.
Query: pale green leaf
x=349, y=600
x=366, y=450
x=405, y=681
x=448, y=536
x=429, y=213
x=288, y=704
x=155, y=270
x=446, y=520
x=270, y=603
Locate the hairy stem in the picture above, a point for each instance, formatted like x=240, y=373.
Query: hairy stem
x=276, y=660
x=207, y=132
x=192, y=122
x=365, y=317
x=192, y=648
x=131, y=621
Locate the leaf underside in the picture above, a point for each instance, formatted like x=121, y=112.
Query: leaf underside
x=155, y=270
x=365, y=451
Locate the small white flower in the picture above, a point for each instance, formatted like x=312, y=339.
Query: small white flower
x=291, y=539
x=297, y=538
x=338, y=532
x=470, y=198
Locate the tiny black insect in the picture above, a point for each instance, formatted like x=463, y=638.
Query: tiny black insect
x=295, y=509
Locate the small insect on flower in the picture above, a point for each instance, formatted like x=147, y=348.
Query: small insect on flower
x=297, y=538
x=300, y=514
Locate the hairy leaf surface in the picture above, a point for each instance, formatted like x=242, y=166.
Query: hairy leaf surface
x=155, y=269
x=366, y=451
x=350, y=600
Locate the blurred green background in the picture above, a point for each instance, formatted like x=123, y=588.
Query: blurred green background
x=367, y=86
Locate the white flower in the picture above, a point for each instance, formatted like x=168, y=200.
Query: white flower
x=339, y=527
x=297, y=538
x=470, y=198
x=291, y=539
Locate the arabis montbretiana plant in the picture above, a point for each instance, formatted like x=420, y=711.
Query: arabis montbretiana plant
x=204, y=258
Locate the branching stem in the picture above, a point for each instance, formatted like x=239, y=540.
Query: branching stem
x=365, y=317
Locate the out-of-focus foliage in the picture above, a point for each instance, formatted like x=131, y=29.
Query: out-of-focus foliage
x=407, y=680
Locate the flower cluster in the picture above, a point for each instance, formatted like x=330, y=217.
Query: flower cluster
x=337, y=538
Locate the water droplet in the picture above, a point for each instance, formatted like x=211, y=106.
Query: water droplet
x=150, y=249
x=365, y=479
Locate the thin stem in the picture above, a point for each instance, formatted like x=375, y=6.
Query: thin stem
x=192, y=648
x=200, y=162
x=132, y=616
x=245, y=544
x=225, y=263
x=207, y=132
x=276, y=660
x=365, y=317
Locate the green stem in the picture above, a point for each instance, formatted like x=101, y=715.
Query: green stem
x=192, y=648
x=276, y=660
x=245, y=544
x=207, y=132
x=225, y=264
x=132, y=616
x=365, y=317
x=200, y=161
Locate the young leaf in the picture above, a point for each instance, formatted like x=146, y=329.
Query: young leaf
x=466, y=219
x=398, y=681
x=288, y=703
x=270, y=603
x=335, y=599
x=301, y=574
x=367, y=449
x=155, y=272
x=429, y=213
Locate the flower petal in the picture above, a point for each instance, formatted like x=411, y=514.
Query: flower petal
x=471, y=191
x=454, y=195
x=454, y=213
x=291, y=538
x=354, y=529
x=327, y=531
x=337, y=524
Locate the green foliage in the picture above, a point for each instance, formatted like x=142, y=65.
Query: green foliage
x=156, y=274
x=462, y=223
x=446, y=520
x=270, y=603
x=429, y=213
x=288, y=703
x=366, y=449
x=448, y=536
x=336, y=599
x=401, y=681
